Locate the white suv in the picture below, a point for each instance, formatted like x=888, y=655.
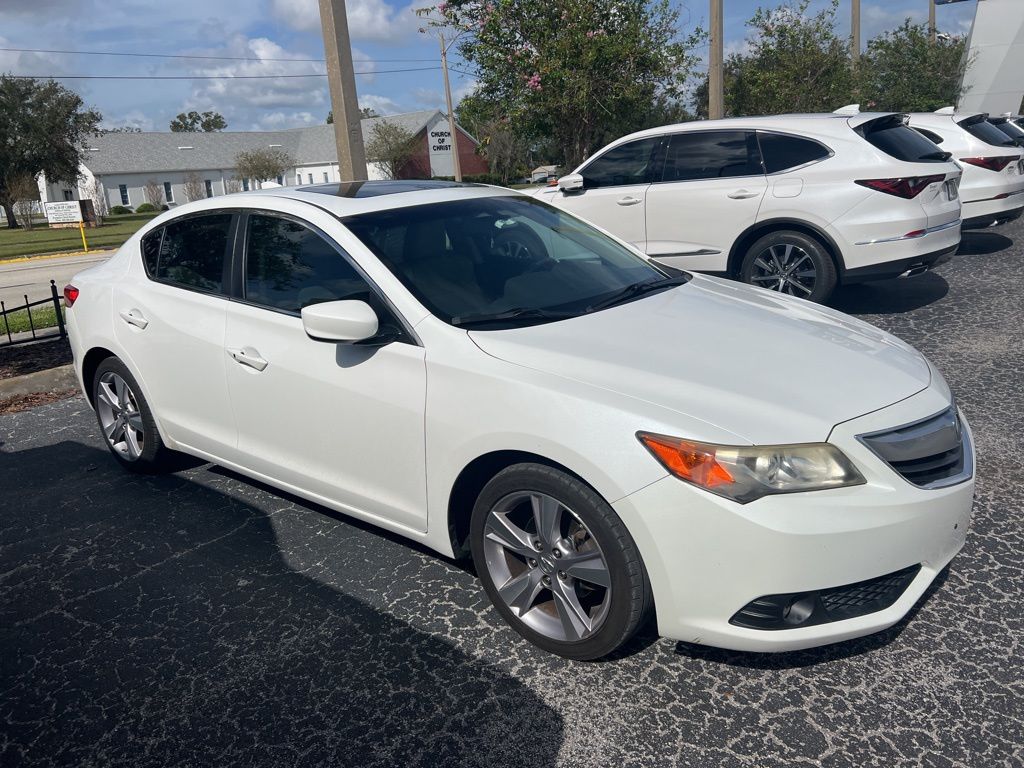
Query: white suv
x=795, y=203
x=992, y=188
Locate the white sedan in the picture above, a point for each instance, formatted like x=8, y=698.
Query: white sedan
x=483, y=373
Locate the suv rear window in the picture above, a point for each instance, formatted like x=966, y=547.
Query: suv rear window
x=781, y=152
x=890, y=135
x=982, y=129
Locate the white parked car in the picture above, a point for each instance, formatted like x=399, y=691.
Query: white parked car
x=1009, y=127
x=992, y=188
x=794, y=203
x=483, y=373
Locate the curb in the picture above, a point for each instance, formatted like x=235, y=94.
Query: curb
x=60, y=255
x=61, y=377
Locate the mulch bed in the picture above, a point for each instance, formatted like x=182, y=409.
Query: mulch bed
x=20, y=359
x=24, y=402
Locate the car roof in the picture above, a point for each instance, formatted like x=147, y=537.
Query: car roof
x=350, y=198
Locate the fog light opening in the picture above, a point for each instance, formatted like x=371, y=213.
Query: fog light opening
x=799, y=609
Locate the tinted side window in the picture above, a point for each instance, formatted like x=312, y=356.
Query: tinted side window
x=288, y=266
x=194, y=252
x=628, y=164
x=782, y=152
x=711, y=155
x=151, y=250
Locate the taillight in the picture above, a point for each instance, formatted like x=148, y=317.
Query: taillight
x=907, y=187
x=70, y=295
x=989, y=163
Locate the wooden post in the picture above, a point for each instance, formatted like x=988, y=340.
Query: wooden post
x=716, y=90
x=456, y=165
x=348, y=129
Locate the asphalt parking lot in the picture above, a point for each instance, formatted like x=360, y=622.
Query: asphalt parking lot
x=202, y=619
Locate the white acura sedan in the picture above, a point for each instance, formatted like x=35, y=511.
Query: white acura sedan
x=486, y=374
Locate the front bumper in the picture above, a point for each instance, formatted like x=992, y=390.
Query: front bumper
x=708, y=557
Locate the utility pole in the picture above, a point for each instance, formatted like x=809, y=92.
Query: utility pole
x=348, y=129
x=716, y=91
x=456, y=165
x=855, y=31
x=931, y=21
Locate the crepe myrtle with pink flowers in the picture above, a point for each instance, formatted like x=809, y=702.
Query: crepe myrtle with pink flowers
x=574, y=72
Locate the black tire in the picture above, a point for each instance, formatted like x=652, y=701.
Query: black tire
x=753, y=272
x=628, y=594
x=154, y=456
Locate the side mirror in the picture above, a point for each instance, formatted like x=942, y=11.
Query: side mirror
x=346, y=322
x=571, y=183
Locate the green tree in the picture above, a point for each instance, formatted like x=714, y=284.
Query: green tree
x=390, y=147
x=43, y=129
x=263, y=163
x=794, y=62
x=579, y=72
x=903, y=71
x=195, y=122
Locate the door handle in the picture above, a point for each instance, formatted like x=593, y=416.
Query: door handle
x=628, y=200
x=134, y=317
x=248, y=356
x=743, y=194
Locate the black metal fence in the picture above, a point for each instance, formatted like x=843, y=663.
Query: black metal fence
x=55, y=301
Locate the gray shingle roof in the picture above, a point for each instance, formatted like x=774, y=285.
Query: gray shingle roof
x=150, y=152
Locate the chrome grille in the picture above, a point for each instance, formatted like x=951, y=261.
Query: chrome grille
x=931, y=453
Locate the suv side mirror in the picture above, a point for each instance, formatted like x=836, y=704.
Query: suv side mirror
x=346, y=322
x=571, y=183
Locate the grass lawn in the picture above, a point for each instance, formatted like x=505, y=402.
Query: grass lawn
x=42, y=317
x=42, y=239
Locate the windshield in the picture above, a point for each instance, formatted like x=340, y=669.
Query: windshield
x=471, y=260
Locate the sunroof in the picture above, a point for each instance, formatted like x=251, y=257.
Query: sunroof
x=378, y=188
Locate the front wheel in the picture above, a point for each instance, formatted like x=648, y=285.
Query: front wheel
x=557, y=563
x=790, y=262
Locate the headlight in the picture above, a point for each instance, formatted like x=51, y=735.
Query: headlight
x=744, y=473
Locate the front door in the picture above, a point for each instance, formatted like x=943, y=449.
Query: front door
x=615, y=187
x=343, y=422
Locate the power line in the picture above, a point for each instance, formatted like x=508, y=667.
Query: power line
x=185, y=56
x=205, y=77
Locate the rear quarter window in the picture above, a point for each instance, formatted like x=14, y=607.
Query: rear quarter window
x=151, y=250
x=782, y=152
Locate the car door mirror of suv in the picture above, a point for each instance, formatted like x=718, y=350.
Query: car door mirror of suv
x=571, y=183
x=345, y=322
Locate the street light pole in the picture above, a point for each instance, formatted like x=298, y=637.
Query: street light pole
x=456, y=165
x=931, y=21
x=348, y=129
x=716, y=90
x=855, y=31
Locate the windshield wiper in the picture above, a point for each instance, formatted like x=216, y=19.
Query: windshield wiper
x=519, y=313
x=636, y=290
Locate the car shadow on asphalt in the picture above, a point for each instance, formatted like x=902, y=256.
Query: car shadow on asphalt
x=982, y=243
x=159, y=620
x=812, y=656
x=887, y=297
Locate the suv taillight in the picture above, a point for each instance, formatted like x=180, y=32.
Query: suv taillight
x=907, y=187
x=989, y=163
x=70, y=295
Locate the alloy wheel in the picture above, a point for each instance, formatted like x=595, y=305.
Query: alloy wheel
x=786, y=268
x=120, y=417
x=547, y=566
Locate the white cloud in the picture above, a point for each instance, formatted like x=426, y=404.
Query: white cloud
x=133, y=119
x=367, y=19
x=274, y=121
x=382, y=105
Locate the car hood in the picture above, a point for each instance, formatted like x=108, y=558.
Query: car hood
x=765, y=367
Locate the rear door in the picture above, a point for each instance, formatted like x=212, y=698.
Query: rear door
x=171, y=325
x=615, y=186
x=710, y=190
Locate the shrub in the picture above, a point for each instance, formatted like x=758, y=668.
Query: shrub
x=165, y=207
x=146, y=208
x=120, y=210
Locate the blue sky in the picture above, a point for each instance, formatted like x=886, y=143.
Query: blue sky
x=384, y=37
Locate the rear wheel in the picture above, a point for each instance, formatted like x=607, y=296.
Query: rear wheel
x=126, y=421
x=790, y=262
x=557, y=563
